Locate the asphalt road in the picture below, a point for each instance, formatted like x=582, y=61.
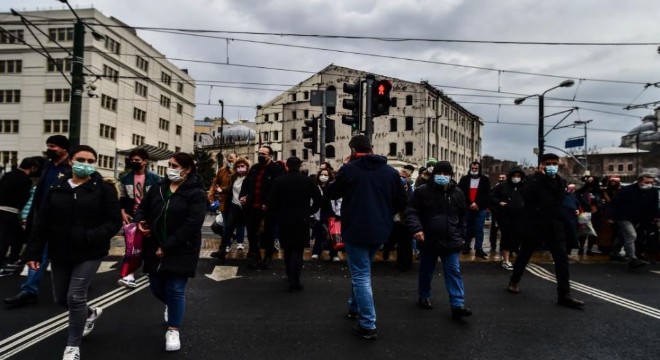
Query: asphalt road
x=251, y=316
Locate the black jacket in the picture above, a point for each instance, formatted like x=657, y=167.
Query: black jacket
x=290, y=196
x=272, y=171
x=509, y=193
x=183, y=216
x=483, y=191
x=440, y=214
x=76, y=224
x=15, y=189
x=636, y=205
x=371, y=193
x=543, y=214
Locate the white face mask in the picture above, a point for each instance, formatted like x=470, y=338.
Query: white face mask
x=174, y=175
x=474, y=173
x=324, y=178
x=646, y=186
x=516, y=180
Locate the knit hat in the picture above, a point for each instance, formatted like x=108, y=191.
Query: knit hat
x=443, y=167
x=59, y=140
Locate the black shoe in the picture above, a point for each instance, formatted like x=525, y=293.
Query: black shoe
x=513, y=287
x=351, y=315
x=569, y=301
x=220, y=254
x=480, y=254
x=636, y=263
x=466, y=250
x=23, y=298
x=296, y=287
x=459, y=313
x=425, y=303
x=368, y=334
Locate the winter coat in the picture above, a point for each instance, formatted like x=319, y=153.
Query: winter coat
x=636, y=205
x=290, y=196
x=371, y=193
x=543, y=213
x=127, y=189
x=509, y=193
x=76, y=223
x=440, y=214
x=272, y=171
x=183, y=214
x=222, y=180
x=483, y=191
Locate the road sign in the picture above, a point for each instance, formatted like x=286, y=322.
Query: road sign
x=574, y=142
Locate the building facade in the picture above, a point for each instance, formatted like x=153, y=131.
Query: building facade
x=422, y=123
x=133, y=95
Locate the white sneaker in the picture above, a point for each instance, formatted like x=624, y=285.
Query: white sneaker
x=240, y=247
x=127, y=282
x=227, y=249
x=166, y=317
x=506, y=265
x=172, y=342
x=71, y=353
x=315, y=257
x=91, y=320
x=335, y=259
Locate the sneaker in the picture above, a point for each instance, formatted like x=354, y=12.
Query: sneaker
x=166, y=316
x=7, y=272
x=315, y=257
x=335, y=258
x=228, y=249
x=71, y=353
x=368, y=334
x=240, y=247
x=506, y=265
x=636, y=263
x=127, y=283
x=91, y=320
x=172, y=342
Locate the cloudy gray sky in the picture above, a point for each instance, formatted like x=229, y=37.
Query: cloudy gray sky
x=485, y=77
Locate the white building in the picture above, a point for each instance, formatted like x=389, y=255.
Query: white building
x=423, y=123
x=133, y=95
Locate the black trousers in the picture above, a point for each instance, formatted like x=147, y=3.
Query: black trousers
x=11, y=235
x=552, y=233
x=511, y=233
x=294, y=237
x=254, y=219
x=494, y=227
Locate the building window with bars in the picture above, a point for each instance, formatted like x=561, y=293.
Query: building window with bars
x=138, y=140
x=106, y=162
x=8, y=157
x=56, y=126
x=165, y=78
x=164, y=124
x=141, y=63
x=108, y=102
x=107, y=132
x=139, y=115
x=11, y=66
x=56, y=65
x=60, y=34
x=165, y=101
x=11, y=36
x=8, y=126
x=110, y=73
x=112, y=45
x=141, y=89
x=10, y=96
x=163, y=145
x=58, y=95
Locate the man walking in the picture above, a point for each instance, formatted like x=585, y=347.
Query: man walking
x=371, y=193
x=476, y=188
x=293, y=199
x=544, y=221
x=57, y=168
x=132, y=188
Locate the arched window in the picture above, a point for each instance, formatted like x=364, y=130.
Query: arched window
x=330, y=152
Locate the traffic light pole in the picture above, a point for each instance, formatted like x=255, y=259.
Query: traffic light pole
x=77, y=84
x=369, y=118
x=322, y=132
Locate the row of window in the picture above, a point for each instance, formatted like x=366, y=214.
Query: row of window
x=10, y=96
x=620, y=167
x=11, y=66
x=8, y=126
x=11, y=157
x=107, y=132
x=408, y=146
x=110, y=73
x=62, y=126
x=11, y=36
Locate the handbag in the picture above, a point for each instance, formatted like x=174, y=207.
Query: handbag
x=133, y=251
x=334, y=231
x=585, y=227
x=218, y=226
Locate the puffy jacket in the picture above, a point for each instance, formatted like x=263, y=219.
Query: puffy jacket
x=440, y=214
x=371, y=193
x=76, y=223
x=183, y=214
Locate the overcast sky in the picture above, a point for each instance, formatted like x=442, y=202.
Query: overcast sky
x=483, y=77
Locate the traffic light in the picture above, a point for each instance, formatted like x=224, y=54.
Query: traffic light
x=329, y=130
x=311, y=131
x=381, y=100
x=354, y=104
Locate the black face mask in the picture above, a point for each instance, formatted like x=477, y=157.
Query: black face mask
x=135, y=166
x=261, y=159
x=52, y=154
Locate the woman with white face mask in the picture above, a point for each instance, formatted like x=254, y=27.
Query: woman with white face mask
x=328, y=208
x=171, y=217
x=507, y=201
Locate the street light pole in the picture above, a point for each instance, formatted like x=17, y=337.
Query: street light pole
x=586, y=148
x=541, y=135
x=222, y=121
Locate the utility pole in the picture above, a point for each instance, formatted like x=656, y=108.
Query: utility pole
x=77, y=83
x=322, y=135
x=369, y=118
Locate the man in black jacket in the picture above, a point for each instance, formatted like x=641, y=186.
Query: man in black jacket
x=436, y=217
x=293, y=199
x=476, y=188
x=544, y=221
x=254, y=195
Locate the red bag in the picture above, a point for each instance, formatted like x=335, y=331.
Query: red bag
x=334, y=230
x=132, y=256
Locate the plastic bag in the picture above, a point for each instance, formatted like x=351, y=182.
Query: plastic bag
x=218, y=226
x=334, y=231
x=132, y=255
x=585, y=227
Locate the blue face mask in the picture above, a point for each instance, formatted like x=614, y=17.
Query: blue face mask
x=551, y=170
x=441, y=180
x=82, y=170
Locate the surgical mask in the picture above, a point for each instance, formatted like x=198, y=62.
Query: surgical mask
x=52, y=154
x=324, y=178
x=441, y=180
x=230, y=165
x=474, y=173
x=261, y=159
x=241, y=170
x=516, y=180
x=646, y=186
x=82, y=170
x=174, y=175
x=551, y=170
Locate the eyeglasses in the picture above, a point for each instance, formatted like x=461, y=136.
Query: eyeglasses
x=83, y=160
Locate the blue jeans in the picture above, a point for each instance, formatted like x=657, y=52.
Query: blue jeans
x=31, y=285
x=475, y=228
x=451, y=273
x=362, y=298
x=626, y=237
x=171, y=291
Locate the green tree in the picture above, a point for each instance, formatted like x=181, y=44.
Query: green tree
x=205, y=166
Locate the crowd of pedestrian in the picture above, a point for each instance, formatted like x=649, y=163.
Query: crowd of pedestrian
x=364, y=207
